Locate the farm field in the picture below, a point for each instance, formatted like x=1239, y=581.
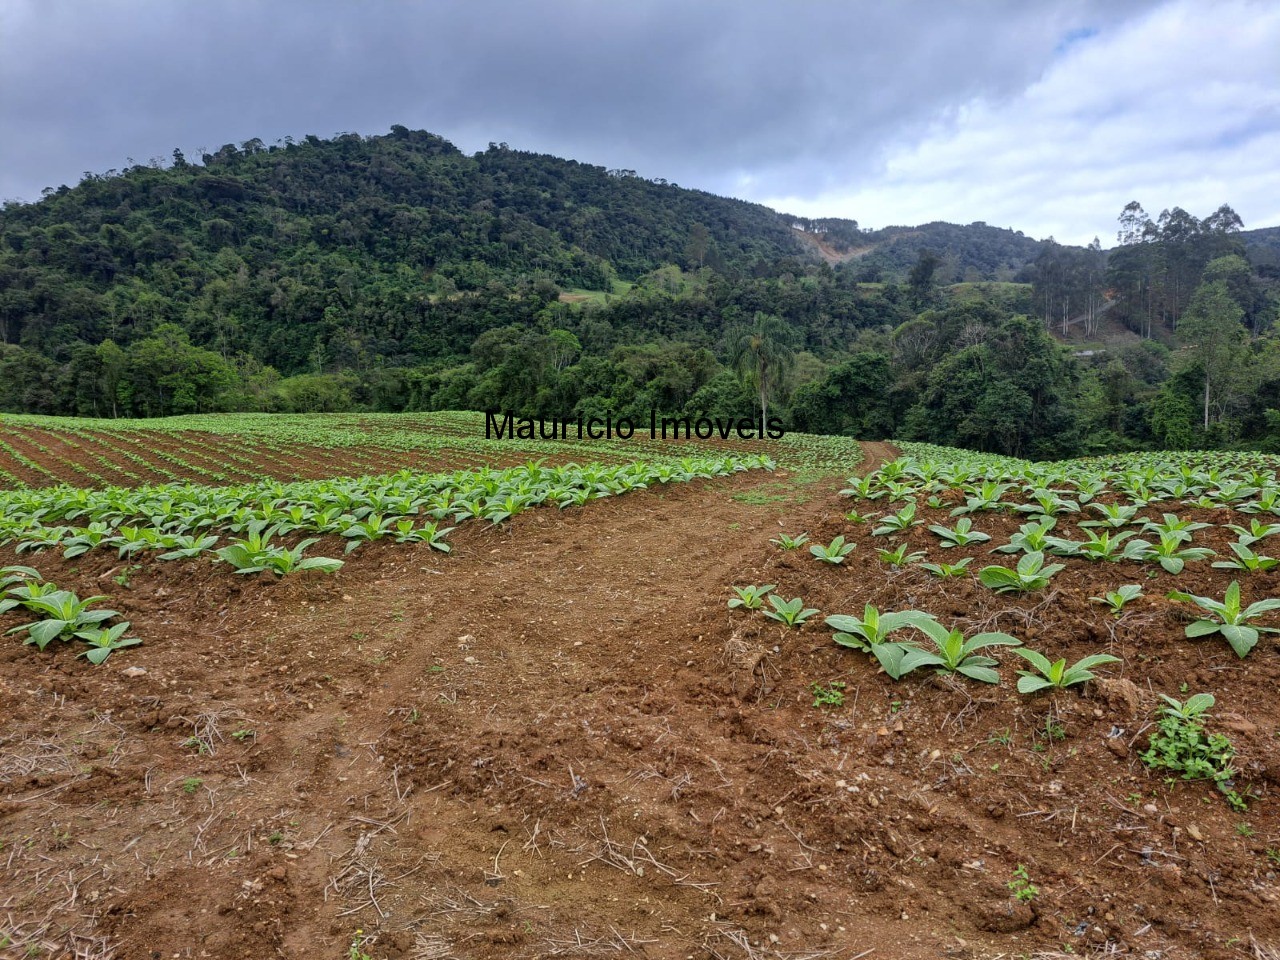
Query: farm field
x=559, y=738
x=243, y=448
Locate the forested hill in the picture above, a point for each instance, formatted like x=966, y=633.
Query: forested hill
x=397, y=273
x=389, y=220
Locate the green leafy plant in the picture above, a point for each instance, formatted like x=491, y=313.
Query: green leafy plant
x=750, y=598
x=1172, y=555
x=1257, y=530
x=1113, y=515
x=1023, y=890
x=873, y=628
x=829, y=695
x=1031, y=538
x=1229, y=618
x=1116, y=600
x=428, y=533
x=901, y=556
x=791, y=612
x=104, y=641
x=1109, y=546
x=256, y=553
x=64, y=615
x=187, y=546
x=98, y=533
x=784, y=542
x=834, y=552
x=15, y=584
x=1181, y=745
x=961, y=535
x=1057, y=675
x=1030, y=574
x=891, y=523
x=1247, y=560
x=948, y=570
x=954, y=654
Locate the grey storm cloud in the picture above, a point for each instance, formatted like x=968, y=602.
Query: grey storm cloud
x=807, y=102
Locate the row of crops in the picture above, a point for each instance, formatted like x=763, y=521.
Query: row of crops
x=269, y=527
x=1167, y=521
x=237, y=448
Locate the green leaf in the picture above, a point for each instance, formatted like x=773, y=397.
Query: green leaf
x=1242, y=639
x=981, y=673
x=1202, y=628
x=1030, y=683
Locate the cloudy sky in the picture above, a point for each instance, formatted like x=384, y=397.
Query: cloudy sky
x=1045, y=116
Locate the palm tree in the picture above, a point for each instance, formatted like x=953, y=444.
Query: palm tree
x=762, y=354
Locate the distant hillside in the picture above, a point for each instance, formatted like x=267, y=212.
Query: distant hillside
x=973, y=252
x=1263, y=247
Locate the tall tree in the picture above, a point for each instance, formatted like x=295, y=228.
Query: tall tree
x=1213, y=332
x=762, y=354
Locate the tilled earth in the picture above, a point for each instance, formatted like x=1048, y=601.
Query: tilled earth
x=558, y=741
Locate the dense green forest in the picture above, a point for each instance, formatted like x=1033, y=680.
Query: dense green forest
x=397, y=273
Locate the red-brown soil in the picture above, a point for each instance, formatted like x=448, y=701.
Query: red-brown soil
x=558, y=741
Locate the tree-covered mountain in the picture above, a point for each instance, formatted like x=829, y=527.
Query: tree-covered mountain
x=397, y=273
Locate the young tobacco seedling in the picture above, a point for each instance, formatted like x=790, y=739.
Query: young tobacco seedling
x=1031, y=574
x=64, y=614
x=1172, y=555
x=898, y=522
x=1030, y=538
x=1247, y=560
x=104, y=641
x=428, y=533
x=947, y=570
x=874, y=627
x=1113, y=515
x=791, y=612
x=1057, y=675
x=1257, y=530
x=1116, y=599
x=900, y=557
x=962, y=535
x=834, y=552
x=955, y=654
x=784, y=542
x=1232, y=620
x=750, y=598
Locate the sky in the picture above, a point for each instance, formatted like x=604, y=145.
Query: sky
x=1046, y=116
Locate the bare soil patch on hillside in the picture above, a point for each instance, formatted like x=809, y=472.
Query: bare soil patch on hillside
x=558, y=741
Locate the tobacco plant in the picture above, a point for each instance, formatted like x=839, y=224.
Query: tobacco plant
x=948, y=570
x=1229, y=618
x=791, y=612
x=1030, y=574
x=1116, y=600
x=750, y=598
x=873, y=628
x=834, y=552
x=64, y=614
x=104, y=641
x=961, y=535
x=1057, y=675
x=898, y=522
x=900, y=557
x=952, y=653
x=1246, y=560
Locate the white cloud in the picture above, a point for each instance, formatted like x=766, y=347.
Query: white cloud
x=1178, y=107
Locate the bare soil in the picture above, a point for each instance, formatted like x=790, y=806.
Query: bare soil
x=558, y=741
